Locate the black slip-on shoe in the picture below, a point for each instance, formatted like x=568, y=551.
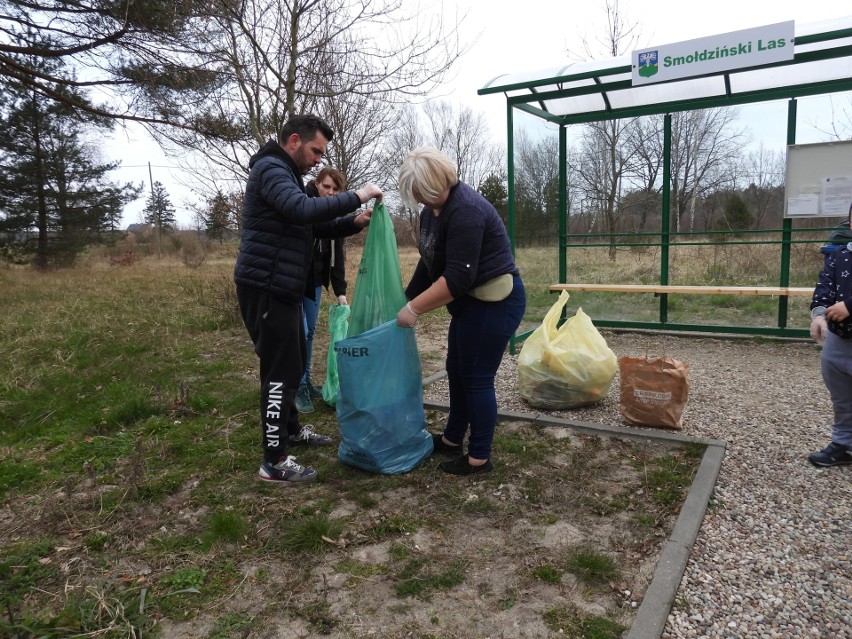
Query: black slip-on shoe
x=440, y=447
x=461, y=466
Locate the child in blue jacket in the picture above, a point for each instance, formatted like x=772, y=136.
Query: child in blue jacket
x=831, y=325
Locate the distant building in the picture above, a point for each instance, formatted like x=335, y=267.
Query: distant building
x=138, y=228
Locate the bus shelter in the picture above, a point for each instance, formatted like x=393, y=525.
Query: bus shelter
x=780, y=62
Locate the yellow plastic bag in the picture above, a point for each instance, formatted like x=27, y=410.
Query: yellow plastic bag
x=565, y=366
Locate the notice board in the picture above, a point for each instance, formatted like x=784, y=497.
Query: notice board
x=819, y=180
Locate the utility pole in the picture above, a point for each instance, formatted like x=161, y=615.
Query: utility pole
x=157, y=205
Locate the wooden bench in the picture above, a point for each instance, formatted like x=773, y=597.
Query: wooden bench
x=660, y=289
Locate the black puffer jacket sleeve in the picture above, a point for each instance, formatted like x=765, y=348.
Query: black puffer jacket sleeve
x=277, y=186
x=276, y=245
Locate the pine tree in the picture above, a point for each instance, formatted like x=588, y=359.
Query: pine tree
x=494, y=190
x=52, y=185
x=221, y=216
x=736, y=216
x=159, y=211
x=127, y=48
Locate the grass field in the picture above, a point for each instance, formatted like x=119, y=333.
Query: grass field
x=129, y=445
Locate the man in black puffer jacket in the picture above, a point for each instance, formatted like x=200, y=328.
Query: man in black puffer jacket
x=274, y=270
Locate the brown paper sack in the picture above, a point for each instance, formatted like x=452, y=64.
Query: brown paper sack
x=654, y=391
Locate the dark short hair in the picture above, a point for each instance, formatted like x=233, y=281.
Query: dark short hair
x=306, y=127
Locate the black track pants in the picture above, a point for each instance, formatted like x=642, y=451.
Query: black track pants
x=277, y=331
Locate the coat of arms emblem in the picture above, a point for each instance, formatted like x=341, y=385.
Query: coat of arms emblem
x=648, y=63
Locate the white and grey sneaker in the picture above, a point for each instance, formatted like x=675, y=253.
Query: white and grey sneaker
x=308, y=437
x=286, y=471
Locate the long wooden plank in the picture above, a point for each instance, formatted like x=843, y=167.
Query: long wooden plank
x=789, y=291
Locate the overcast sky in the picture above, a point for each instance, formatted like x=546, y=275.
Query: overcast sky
x=514, y=37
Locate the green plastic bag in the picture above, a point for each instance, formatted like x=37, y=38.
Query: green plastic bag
x=378, y=288
x=338, y=322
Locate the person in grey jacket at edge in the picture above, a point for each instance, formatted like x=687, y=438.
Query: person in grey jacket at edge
x=274, y=271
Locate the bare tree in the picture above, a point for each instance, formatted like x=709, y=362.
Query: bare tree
x=536, y=189
x=405, y=136
x=462, y=134
x=607, y=152
x=840, y=125
x=606, y=158
x=621, y=35
x=459, y=132
x=705, y=144
x=646, y=166
x=348, y=60
x=765, y=170
x=360, y=123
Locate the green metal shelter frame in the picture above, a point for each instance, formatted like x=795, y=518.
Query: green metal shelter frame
x=603, y=90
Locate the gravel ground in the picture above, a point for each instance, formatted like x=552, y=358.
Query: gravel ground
x=774, y=554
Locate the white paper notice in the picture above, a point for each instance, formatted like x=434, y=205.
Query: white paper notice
x=803, y=205
x=836, y=196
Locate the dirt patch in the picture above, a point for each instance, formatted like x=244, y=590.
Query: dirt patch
x=417, y=555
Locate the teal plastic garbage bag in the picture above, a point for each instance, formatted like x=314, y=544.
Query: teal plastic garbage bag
x=380, y=402
x=338, y=324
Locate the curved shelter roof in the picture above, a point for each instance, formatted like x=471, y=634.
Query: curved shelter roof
x=604, y=89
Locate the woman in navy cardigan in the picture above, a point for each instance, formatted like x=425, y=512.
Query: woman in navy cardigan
x=466, y=264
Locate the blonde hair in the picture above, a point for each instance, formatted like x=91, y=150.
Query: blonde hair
x=428, y=173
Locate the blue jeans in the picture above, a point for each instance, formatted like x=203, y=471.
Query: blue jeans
x=477, y=339
x=836, y=366
x=311, y=310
